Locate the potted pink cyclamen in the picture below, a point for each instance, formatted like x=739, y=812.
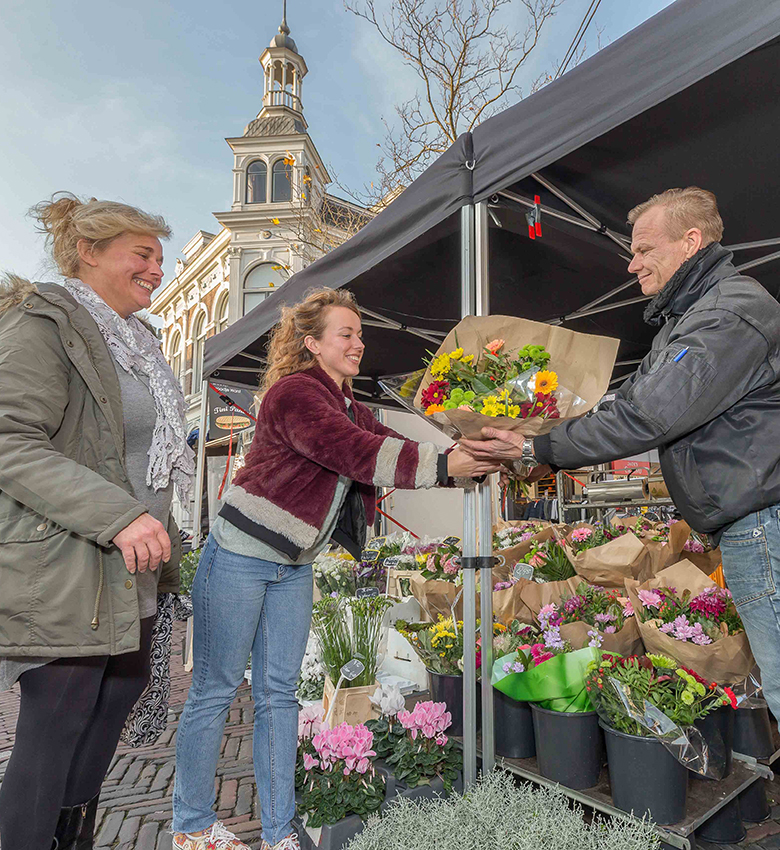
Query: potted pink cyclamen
x=341, y=787
x=425, y=762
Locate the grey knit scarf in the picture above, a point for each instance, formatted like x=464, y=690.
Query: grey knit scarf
x=137, y=351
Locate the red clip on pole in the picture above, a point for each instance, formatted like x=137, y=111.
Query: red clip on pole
x=538, y=215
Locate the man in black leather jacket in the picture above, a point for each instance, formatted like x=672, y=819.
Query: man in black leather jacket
x=707, y=396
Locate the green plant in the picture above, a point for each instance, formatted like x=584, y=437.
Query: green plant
x=681, y=694
x=347, y=629
x=187, y=569
x=550, y=561
x=439, y=645
x=497, y=813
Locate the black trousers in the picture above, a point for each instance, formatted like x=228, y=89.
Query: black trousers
x=70, y=718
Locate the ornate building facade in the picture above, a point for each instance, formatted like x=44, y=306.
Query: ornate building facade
x=281, y=218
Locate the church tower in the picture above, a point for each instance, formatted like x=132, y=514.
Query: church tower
x=277, y=174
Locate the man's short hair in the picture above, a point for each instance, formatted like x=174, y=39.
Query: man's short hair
x=685, y=208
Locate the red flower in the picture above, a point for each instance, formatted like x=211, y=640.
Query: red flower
x=434, y=393
x=730, y=694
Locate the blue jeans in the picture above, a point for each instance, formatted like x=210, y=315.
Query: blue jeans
x=243, y=605
x=751, y=563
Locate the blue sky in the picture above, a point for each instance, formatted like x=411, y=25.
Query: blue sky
x=133, y=101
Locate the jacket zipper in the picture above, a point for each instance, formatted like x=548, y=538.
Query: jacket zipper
x=96, y=619
x=101, y=578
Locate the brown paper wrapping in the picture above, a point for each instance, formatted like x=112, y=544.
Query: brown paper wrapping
x=514, y=554
x=436, y=597
x=352, y=704
x=726, y=661
x=611, y=564
x=583, y=363
x=509, y=605
x=627, y=641
x=679, y=533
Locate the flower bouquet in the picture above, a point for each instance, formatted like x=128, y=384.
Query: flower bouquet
x=312, y=678
x=682, y=613
x=602, y=617
x=509, y=373
x=310, y=722
x=549, y=672
x=654, y=696
x=425, y=752
x=340, y=778
x=607, y=556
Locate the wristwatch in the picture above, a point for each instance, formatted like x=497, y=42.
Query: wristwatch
x=527, y=460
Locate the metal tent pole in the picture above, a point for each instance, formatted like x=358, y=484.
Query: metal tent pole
x=485, y=515
x=200, y=463
x=469, y=543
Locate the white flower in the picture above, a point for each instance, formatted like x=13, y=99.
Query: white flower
x=388, y=699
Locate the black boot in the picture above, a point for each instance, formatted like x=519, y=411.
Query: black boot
x=76, y=827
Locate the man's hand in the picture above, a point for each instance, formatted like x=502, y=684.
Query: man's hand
x=460, y=464
x=537, y=472
x=144, y=544
x=497, y=445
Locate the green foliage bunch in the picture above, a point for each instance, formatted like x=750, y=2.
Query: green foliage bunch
x=187, y=569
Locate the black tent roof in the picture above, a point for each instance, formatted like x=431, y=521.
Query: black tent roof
x=690, y=97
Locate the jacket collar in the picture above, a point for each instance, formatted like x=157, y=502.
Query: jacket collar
x=690, y=282
x=317, y=372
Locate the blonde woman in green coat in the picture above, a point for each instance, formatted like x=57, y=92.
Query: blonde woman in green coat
x=92, y=443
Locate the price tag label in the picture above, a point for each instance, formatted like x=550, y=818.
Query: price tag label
x=392, y=561
x=370, y=555
x=378, y=542
x=523, y=571
x=451, y=541
x=366, y=592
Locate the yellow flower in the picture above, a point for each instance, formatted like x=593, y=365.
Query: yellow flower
x=433, y=408
x=457, y=354
x=440, y=365
x=469, y=358
x=491, y=406
x=421, y=559
x=513, y=411
x=546, y=382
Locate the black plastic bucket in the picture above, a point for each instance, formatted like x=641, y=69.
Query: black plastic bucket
x=569, y=746
x=645, y=777
x=514, y=727
x=752, y=732
x=725, y=826
x=754, y=804
x=449, y=689
x=717, y=728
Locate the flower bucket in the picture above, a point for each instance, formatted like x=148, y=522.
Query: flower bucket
x=725, y=826
x=352, y=704
x=753, y=803
x=569, y=746
x=717, y=728
x=429, y=790
x=514, y=727
x=448, y=689
x=752, y=732
x=645, y=777
x=330, y=836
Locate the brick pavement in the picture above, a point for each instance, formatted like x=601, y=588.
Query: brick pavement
x=135, y=810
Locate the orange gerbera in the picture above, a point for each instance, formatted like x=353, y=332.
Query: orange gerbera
x=433, y=408
x=495, y=346
x=546, y=382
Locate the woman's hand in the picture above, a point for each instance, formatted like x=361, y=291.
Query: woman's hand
x=144, y=544
x=460, y=464
x=502, y=445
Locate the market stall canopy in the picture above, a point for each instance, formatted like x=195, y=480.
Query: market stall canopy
x=691, y=97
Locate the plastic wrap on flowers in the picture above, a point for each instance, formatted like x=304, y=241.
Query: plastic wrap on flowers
x=557, y=683
x=749, y=692
x=508, y=373
x=654, y=696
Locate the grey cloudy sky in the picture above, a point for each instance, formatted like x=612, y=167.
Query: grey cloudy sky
x=133, y=101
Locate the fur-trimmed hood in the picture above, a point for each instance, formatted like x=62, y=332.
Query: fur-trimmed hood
x=13, y=290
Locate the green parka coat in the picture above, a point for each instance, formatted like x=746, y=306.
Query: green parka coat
x=64, y=490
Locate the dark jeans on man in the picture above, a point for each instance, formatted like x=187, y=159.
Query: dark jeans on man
x=70, y=719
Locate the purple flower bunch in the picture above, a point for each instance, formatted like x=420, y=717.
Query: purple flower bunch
x=681, y=629
x=428, y=719
x=603, y=609
x=345, y=747
x=701, y=619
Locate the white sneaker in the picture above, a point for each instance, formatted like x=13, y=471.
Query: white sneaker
x=215, y=837
x=289, y=843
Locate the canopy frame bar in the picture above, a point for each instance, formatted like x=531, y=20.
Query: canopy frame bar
x=393, y=325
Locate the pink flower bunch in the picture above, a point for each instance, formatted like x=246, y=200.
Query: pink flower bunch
x=310, y=722
x=540, y=654
x=350, y=745
x=430, y=718
x=650, y=599
x=549, y=616
x=450, y=564
x=693, y=546
x=503, y=585
x=420, y=549
x=681, y=629
x=580, y=535
x=711, y=602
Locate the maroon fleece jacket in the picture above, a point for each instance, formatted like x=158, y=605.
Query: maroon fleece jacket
x=303, y=441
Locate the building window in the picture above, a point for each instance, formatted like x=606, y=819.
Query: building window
x=175, y=356
x=261, y=282
x=256, y=179
x=222, y=312
x=281, y=189
x=198, y=342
